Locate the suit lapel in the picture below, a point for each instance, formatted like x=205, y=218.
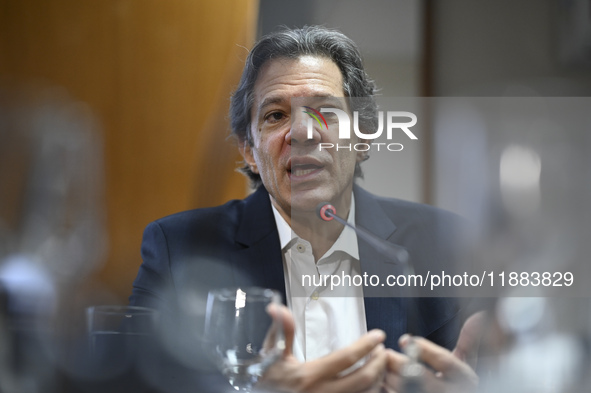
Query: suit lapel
x=259, y=261
x=385, y=308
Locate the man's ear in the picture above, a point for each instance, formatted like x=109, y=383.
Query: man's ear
x=246, y=151
x=362, y=155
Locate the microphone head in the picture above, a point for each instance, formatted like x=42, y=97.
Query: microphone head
x=325, y=211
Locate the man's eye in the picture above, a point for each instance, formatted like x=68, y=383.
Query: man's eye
x=274, y=117
x=329, y=116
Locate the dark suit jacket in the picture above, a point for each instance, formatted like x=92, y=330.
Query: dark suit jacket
x=237, y=244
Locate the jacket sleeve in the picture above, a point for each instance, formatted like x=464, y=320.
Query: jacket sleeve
x=153, y=283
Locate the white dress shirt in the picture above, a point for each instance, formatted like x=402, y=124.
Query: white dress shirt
x=325, y=319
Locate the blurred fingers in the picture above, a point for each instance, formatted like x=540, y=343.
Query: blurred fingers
x=342, y=359
x=469, y=339
x=282, y=317
x=442, y=360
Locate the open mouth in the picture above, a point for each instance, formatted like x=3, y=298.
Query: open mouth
x=303, y=170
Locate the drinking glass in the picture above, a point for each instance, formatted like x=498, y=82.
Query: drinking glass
x=120, y=338
x=240, y=335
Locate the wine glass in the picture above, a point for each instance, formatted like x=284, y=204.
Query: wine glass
x=240, y=335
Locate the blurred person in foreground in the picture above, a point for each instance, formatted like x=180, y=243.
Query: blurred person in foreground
x=274, y=231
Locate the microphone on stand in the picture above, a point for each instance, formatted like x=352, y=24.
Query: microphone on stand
x=395, y=254
x=413, y=372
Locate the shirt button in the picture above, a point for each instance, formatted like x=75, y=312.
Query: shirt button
x=301, y=248
x=315, y=296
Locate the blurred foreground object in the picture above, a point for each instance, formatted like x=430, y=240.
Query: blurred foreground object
x=520, y=169
x=51, y=229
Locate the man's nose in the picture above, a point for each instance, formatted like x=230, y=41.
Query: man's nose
x=298, y=133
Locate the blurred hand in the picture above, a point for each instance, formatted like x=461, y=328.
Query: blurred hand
x=469, y=341
x=450, y=371
x=322, y=375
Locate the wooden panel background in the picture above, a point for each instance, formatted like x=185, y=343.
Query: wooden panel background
x=158, y=75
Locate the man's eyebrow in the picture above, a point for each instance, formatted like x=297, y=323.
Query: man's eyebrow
x=271, y=101
x=322, y=99
x=332, y=100
x=328, y=99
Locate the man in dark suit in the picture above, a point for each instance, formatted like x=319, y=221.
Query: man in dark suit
x=250, y=243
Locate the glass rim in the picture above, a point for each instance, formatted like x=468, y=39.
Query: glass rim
x=229, y=293
x=120, y=309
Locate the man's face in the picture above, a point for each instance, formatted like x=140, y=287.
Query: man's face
x=293, y=169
